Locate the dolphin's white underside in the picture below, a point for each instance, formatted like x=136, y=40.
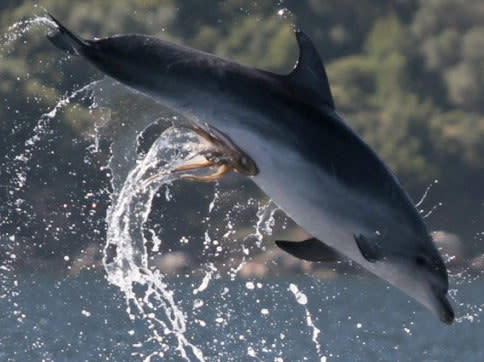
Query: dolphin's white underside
x=302, y=190
x=305, y=192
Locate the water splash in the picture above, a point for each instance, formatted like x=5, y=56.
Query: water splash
x=42, y=130
x=426, y=214
x=432, y=209
x=19, y=29
x=206, y=279
x=467, y=311
x=148, y=295
x=147, y=292
x=265, y=223
x=129, y=269
x=302, y=299
x=427, y=190
x=9, y=286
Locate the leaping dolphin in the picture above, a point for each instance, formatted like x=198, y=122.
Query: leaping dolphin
x=309, y=162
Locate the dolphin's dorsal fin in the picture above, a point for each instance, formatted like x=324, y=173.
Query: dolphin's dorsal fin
x=308, y=76
x=310, y=250
x=368, y=248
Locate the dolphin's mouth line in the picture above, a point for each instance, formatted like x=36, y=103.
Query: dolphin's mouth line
x=444, y=310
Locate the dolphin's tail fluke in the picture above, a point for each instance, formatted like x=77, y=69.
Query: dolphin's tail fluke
x=63, y=39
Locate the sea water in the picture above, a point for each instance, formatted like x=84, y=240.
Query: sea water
x=84, y=319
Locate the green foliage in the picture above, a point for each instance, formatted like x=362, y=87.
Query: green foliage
x=374, y=90
x=449, y=34
x=267, y=43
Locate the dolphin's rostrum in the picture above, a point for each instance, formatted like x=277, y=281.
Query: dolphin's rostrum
x=311, y=164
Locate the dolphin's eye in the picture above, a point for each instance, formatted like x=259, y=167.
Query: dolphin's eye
x=421, y=260
x=244, y=162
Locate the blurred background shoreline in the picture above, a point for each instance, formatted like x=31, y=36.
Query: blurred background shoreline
x=408, y=76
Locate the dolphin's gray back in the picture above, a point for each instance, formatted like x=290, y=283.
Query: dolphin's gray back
x=167, y=64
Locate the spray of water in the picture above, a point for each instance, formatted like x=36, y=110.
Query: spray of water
x=429, y=212
x=42, y=130
x=147, y=293
x=302, y=299
x=425, y=194
x=20, y=28
x=144, y=287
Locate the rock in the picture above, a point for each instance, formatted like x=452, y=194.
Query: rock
x=253, y=269
x=450, y=248
x=88, y=259
x=477, y=264
x=171, y=263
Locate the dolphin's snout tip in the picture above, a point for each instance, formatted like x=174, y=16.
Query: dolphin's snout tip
x=446, y=313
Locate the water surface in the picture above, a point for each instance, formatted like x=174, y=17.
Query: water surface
x=84, y=319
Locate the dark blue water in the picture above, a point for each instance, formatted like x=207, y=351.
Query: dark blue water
x=84, y=319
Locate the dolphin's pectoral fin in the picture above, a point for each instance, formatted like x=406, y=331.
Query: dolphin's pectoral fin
x=310, y=250
x=368, y=249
